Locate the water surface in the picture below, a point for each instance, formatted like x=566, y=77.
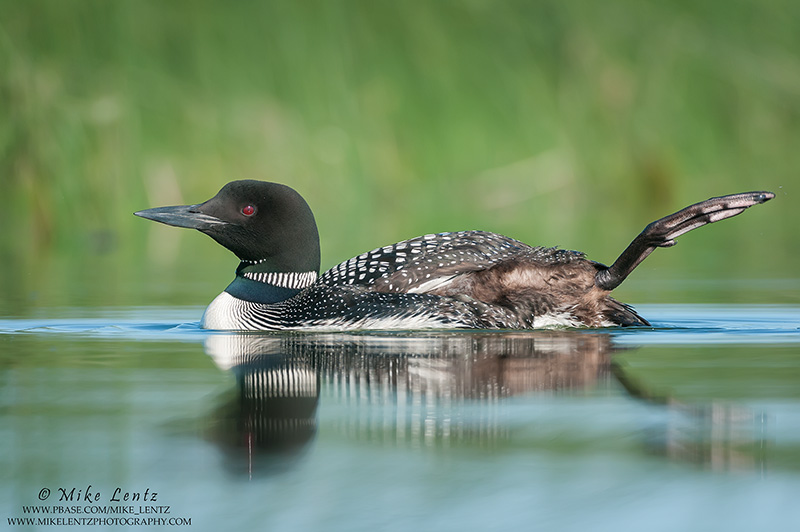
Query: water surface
x=692, y=424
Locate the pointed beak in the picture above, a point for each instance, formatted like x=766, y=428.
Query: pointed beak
x=181, y=216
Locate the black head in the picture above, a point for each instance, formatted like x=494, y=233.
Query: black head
x=259, y=221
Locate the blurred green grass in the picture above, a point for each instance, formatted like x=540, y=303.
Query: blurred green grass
x=559, y=123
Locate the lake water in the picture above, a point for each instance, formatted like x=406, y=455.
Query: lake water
x=693, y=424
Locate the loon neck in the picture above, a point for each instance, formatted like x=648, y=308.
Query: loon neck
x=255, y=283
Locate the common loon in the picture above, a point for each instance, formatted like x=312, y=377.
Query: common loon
x=468, y=279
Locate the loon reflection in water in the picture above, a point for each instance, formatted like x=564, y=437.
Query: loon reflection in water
x=429, y=390
x=440, y=388
x=468, y=279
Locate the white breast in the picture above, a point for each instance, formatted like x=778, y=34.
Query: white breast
x=224, y=313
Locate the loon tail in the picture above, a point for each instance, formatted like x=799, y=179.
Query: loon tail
x=662, y=233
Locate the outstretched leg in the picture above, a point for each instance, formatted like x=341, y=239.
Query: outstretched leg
x=662, y=233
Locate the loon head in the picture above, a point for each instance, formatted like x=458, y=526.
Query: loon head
x=260, y=222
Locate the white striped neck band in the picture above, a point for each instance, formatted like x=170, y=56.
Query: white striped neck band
x=283, y=279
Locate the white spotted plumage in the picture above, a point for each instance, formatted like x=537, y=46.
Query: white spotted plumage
x=388, y=288
x=421, y=264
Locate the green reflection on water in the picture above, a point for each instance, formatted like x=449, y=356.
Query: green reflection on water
x=728, y=373
x=450, y=418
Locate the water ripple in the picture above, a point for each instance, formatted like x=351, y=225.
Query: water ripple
x=672, y=324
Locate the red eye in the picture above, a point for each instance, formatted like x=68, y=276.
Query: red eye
x=248, y=210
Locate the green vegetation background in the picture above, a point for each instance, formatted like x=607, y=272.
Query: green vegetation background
x=569, y=123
